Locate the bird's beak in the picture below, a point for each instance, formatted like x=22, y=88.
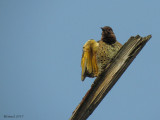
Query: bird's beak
x=102, y=29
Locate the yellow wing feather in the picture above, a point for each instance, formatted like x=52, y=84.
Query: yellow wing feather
x=88, y=61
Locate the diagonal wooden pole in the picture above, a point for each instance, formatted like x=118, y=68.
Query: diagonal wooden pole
x=104, y=82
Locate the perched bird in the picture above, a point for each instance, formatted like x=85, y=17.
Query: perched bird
x=96, y=55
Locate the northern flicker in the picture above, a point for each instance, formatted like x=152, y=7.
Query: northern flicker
x=96, y=55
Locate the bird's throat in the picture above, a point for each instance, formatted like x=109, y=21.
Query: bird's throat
x=109, y=40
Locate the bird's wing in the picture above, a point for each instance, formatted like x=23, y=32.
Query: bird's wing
x=88, y=61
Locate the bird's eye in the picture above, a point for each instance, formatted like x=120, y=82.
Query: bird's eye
x=110, y=29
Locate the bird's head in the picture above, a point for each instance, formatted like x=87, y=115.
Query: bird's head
x=108, y=35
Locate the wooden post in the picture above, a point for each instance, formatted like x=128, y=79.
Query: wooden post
x=104, y=82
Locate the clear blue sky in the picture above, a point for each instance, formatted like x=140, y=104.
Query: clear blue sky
x=40, y=53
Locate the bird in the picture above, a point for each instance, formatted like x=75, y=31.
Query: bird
x=97, y=54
